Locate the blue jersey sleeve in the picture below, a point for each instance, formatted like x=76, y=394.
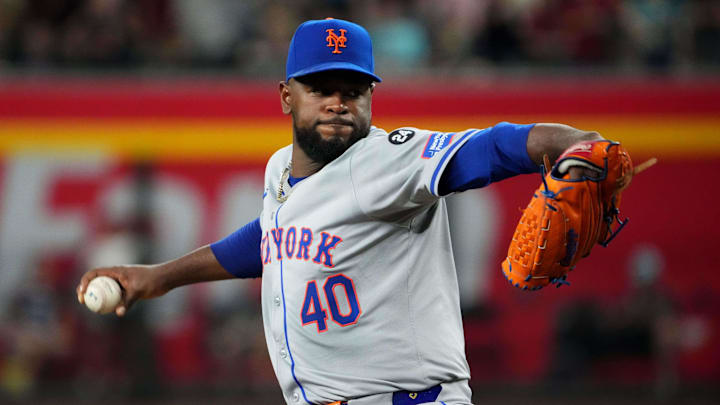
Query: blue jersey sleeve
x=491, y=155
x=239, y=252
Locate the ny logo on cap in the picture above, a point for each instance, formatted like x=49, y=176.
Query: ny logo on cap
x=336, y=41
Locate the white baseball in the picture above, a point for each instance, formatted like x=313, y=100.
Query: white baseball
x=103, y=295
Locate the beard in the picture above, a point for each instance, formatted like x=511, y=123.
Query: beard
x=324, y=151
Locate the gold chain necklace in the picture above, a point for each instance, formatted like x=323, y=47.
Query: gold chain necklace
x=282, y=196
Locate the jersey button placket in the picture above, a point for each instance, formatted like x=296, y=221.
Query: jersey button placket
x=277, y=331
x=285, y=356
x=296, y=397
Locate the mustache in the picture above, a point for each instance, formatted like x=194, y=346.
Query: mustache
x=335, y=121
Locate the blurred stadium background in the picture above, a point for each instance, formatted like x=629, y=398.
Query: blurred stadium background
x=134, y=131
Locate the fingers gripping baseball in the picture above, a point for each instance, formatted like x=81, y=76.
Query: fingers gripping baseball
x=135, y=283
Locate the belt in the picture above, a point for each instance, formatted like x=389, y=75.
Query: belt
x=409, y=397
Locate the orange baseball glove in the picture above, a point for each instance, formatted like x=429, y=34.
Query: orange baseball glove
x=569, y=213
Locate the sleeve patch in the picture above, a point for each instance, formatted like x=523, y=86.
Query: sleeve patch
x=437, y=142
x=400, y=136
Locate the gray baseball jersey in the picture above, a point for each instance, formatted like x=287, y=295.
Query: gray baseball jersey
x=359, y=291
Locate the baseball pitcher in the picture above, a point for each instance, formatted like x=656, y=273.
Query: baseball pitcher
x=359, y=292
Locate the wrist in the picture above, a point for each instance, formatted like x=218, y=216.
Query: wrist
x=160, y=279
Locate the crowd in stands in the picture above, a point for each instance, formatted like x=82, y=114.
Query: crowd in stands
x=250, y=37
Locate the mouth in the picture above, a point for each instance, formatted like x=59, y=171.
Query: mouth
x=335, y=127
x=336, y=123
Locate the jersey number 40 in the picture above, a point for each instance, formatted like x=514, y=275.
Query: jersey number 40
x=314, y=312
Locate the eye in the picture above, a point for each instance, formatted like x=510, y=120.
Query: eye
x=320, y=92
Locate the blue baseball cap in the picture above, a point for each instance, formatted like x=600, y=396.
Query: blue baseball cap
x=330, y=44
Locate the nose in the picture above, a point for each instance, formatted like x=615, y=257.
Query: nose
x=335, y=104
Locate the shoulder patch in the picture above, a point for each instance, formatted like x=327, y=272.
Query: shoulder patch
x=400, y=136
x=436, y=142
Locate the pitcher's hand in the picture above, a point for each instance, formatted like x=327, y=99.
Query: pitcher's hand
x=136, y=281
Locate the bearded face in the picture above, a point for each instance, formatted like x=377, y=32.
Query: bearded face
x=331, y=110
x=324, y=149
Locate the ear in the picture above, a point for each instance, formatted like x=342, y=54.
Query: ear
x=284, y=90
x=372, y=87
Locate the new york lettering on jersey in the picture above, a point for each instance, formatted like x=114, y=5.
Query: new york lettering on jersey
x=298, y=245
